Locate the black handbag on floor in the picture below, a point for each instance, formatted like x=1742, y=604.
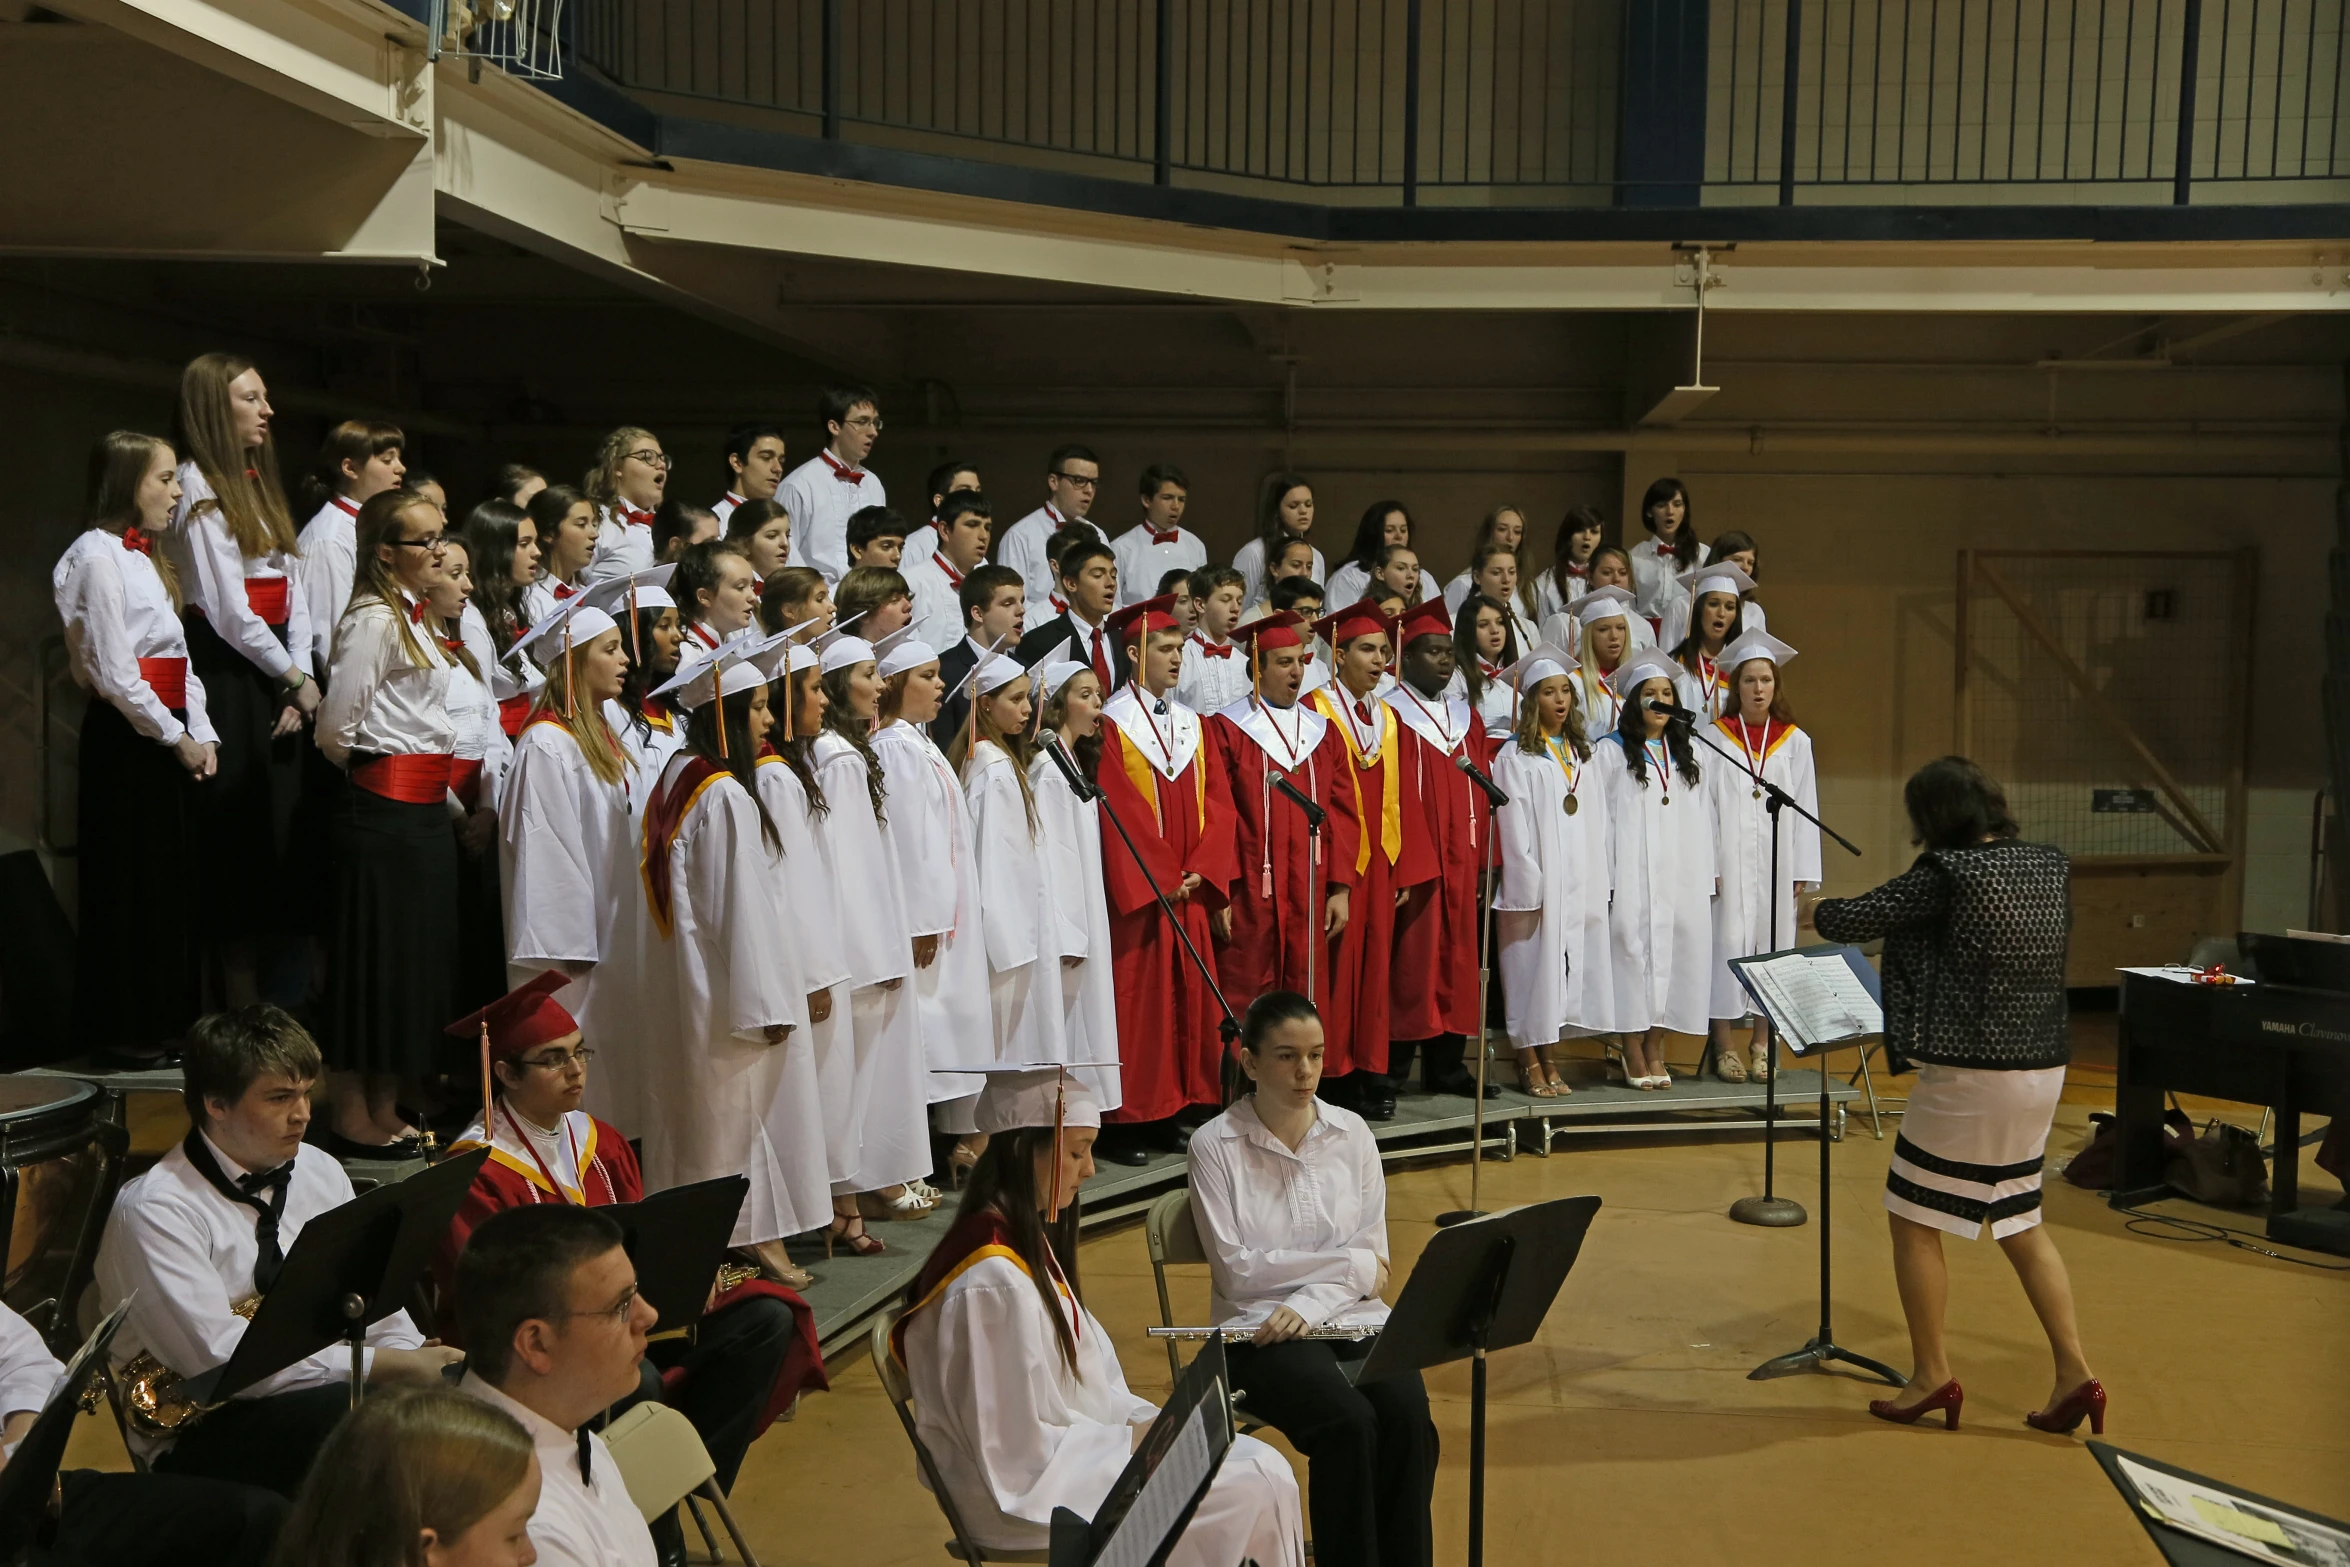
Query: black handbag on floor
x=2223, y=1166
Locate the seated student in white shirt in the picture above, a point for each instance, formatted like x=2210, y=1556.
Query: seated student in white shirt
x=128, y=1520
x=428, y=1476
x=554, y=1331
x=1291, y=1206
x=206, y=1231
x=935, y=577
x=1159, y=543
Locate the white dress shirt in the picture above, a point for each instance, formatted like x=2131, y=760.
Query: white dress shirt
x=724, y=506
x=187, y=1253
x=330, y=562
x=1249, y=561
x=821, y=495
x=212, y=578
x=1211, y=679
x=116, y=612
x=1023, y=548
x=473, y=707
x=1350, y=582
x=28, y=1372
x=1306, y=1229
x=586, y=1522
x=378, y=702
x=624, y=543
x=1655, y=574
x=1144, y=557
x=938, y=598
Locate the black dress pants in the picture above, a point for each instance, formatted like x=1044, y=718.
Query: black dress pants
x=148, y=1520
x=1370, y=1450
x=268, y=1442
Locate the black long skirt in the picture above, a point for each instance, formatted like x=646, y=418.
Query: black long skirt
x=481, y=930
x=243, y=821
x=393, y=980
x=138, y=967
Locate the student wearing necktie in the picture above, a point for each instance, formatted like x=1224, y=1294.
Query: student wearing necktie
x=1569, y=576
x=1159, y=543
x=825, y=491
x=630, y=477
x=1089, y=587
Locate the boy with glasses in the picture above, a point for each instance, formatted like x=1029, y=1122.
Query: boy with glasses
x=1071, y=476
x=825, y=491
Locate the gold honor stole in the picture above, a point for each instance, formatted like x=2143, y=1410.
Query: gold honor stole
x=1145, y=777
x=1391, y=800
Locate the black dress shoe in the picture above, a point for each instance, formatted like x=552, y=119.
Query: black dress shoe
x=1460, y=1085
x=1122, y=1150
x=1377, y=1098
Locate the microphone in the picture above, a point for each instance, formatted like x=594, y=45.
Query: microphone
x=1315, y=815
x=1492, y=791
x=1671, y=710
x=1068, y=766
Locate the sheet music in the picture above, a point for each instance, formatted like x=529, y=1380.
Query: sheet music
x=1164, y=1496
x=1816, y=999
x=2212, y=1513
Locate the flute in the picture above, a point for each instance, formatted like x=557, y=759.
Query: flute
x=1350, y=1335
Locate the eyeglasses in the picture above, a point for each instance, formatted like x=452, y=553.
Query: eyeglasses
x=434, y=544
x=561, y=1063
x=651, y=459
x=619, y=1311
x=865, y=422
x=1081, y=482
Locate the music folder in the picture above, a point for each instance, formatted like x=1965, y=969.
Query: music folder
x=347, y=1270
x=677, y=1238
x=1160, y=1488
x=1815, y=996
x=31, y=1476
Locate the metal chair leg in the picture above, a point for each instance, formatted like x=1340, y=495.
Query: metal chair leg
x=693, y=1509
x=717, y=1499
x=1869, y=1082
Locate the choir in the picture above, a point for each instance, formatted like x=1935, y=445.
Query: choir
x=796, y=832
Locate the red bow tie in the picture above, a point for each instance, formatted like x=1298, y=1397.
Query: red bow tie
x=564, y=590
x=845, y=475
x=415, y=614
x=1171, y=536
x=1213, y=650
x=631, y=516
x=1578, y=571
x=453, y=644
x=953, y=575
x=1060, y=605
x=133, y=539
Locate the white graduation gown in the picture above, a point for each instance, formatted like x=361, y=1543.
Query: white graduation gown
x=1661, y=924
x=884, y=1138
x=812, y=924
x=1742, y=913
x=1015, y=895
x=1016, y=1433
x=1557, y=968
x=1069, y=842
x=566, y=856
x=648, y=750
x=725, y=972
x=1595, y=704
x=1706, y=692
x=938, y=877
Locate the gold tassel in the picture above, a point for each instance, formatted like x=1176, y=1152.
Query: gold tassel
x=486, y=1080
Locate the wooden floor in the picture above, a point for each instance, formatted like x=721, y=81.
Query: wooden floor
x=1628, y=1432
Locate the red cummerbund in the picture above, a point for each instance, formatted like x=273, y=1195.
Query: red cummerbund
x=417, y=780
x=465, y=780
x=168, y=679
x=513, y=713
x=267, y=597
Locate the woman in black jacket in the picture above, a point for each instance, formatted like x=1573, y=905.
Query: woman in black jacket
x=1973, y=969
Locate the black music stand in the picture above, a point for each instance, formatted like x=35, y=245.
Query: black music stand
x=1823, y=1347
x=1480, y=1285
x=350, y=1268
x=678, y=1238
x=1155, y=1495
x=30, y=1479
x=2179, y=1548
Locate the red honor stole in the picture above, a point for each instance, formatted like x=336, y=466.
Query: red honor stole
x=665, y=814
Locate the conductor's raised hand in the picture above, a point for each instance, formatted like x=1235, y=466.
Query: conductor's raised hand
x=1279, y=1328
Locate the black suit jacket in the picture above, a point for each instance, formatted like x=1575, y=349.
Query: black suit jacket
x=954, y=666
x=1036, y=644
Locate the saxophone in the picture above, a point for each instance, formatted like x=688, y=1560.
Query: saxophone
x=152, y=1398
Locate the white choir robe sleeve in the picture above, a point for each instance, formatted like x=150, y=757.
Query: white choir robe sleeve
x=1004, y=1402
x=1314, y=1284
x=1010, y=867
x=28, y=1372
x=811, y=902
x=750, y=973
x=1517, y=834
x=212, y=574
x=1803, y=839
x=91, y=602
x=924, y=835
x=873, y=912
x=553, y=895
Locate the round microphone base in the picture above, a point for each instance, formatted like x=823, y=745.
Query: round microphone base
x=1777, y=1213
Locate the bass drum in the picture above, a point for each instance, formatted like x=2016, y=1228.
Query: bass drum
x=61, y=1162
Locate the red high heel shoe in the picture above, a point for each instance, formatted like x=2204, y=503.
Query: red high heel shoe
x=2087, y=1399
x=1946, y=1398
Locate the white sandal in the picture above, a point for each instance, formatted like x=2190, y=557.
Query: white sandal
x=1730, y=1066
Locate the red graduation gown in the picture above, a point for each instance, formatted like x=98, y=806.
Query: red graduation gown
x=1391, y=852
x=1272, y=907
x=1433, y=988
x=1169, y=1049
x=607, y=1174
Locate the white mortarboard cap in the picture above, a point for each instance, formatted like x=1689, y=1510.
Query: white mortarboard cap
x=1716, y=577
x=836, y=632
x=840, y=652
x=901, y=650
x=998, y=672
x=1058, y=674
x=1609, y=603
x=1024, y=1096
x=1538, y=665
x=727, y=673
x=987, y=657
x=652, y=590
x=1647, y=664
x=1755, y=644
x=575, y=621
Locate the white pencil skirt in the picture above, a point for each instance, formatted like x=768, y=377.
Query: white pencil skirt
x=1970, y=1150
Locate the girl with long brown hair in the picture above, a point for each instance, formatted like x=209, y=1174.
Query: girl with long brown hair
x=387, y=719
x=483, y=755
x=1285, y=515
x=1503, y=528
x=1569, y=574
x=147, y=749
x=564, y=522
x=233, y=546
x=1670, y=548
x=502, y=549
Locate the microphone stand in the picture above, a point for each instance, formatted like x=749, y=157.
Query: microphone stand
x=1497, y=799
x=1314, y=816
x=1230, y=1027
x=1770, y=1209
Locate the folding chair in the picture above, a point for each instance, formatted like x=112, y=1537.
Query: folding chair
x=664, y=1464
x=900, y=1389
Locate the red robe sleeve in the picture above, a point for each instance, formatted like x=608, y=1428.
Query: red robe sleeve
x=495, y=1189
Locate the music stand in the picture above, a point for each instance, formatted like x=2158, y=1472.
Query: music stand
x=30, y=1479
x=2182, y=1549
x=678, y=1238
x=1823, y=1347
x=1480, y=1285
x=1154, y=1496
x=350, y=1268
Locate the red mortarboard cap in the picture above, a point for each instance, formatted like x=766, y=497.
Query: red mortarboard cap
x=1281, y=628
x=522, y=1019
x=1431, y=619
x=1356, y=620
x=1136, y=621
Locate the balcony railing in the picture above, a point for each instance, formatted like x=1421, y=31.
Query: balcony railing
x=1494, y=102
